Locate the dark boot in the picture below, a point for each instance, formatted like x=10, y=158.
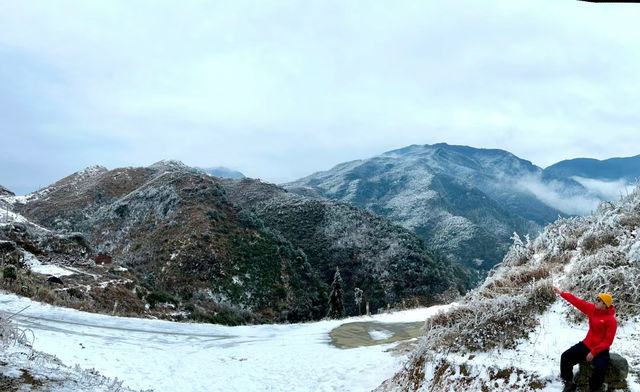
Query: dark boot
x=569, y=386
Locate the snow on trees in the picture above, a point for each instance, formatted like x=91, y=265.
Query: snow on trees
x=357, y=293
x=519, y=252
x=336, y=302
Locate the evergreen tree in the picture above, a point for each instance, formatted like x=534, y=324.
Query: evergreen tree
x=357, y=292
x=336, y=303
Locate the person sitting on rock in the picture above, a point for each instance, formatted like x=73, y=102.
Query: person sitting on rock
x=595, y=347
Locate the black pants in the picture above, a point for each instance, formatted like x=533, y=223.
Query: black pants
x=578, y=353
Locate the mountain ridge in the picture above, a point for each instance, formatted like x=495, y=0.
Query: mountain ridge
x=421, y=187
x=193, y=242
x=627, y=168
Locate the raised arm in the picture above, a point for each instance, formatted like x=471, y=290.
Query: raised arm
x=583, y=306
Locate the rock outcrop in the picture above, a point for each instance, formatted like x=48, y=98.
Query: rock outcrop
x=5, y=192
x=615, y=378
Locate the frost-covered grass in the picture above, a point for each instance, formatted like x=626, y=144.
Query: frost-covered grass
x=22, y=368
x=26, y=370
x=509, y=333
x=532, y=365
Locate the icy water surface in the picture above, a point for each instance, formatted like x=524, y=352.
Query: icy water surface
x=370, y=333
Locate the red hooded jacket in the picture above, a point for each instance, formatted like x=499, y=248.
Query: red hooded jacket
x=602, y=324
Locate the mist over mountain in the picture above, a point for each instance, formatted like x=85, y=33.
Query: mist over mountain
x=465, y=202
x=609, y=179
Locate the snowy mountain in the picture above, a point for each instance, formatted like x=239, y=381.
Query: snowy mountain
x=465, y=202
x=509, y=333
x=223, y=172
x=170, y=241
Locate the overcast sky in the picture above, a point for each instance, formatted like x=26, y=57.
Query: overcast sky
x=279, y=90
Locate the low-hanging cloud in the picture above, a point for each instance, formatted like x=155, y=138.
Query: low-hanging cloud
x=606, y=190
x=560, y=196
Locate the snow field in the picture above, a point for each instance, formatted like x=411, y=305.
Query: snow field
x=166, y=356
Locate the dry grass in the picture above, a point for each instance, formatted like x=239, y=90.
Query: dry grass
x=483, y=324
x=448, y=375
x=498, y=313
x=593, y=242
x=115, y=299
x=513, y=280
x=608, y=271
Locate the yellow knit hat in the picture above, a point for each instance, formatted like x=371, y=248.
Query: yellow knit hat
x=606, y=298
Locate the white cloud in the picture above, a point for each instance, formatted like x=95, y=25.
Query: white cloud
x=569, y=199
x=607, y=190
x=250, y=85
x=559, y=196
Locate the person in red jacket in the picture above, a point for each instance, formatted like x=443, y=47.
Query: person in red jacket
x=595, y=347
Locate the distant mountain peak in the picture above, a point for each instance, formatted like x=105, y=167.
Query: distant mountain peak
x=453, y=148
x=222, y=172
x=455, y=197
x=169, y=164
x=607, y=169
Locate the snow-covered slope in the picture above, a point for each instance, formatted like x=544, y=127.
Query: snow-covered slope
x=509, y=333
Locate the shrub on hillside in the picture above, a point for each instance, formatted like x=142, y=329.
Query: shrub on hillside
x=10, y=272
x=520, y=252
x=222, y=314
x=630, y=220
x=595, y=241
x=611, y=271
x=249, y=220
x=158, y=296
x=114, y=299
x=490, y=317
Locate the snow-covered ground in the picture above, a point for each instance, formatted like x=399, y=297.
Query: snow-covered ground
x=540, y=353
x=45, y=269
x=178, y=357
x=8, y=216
